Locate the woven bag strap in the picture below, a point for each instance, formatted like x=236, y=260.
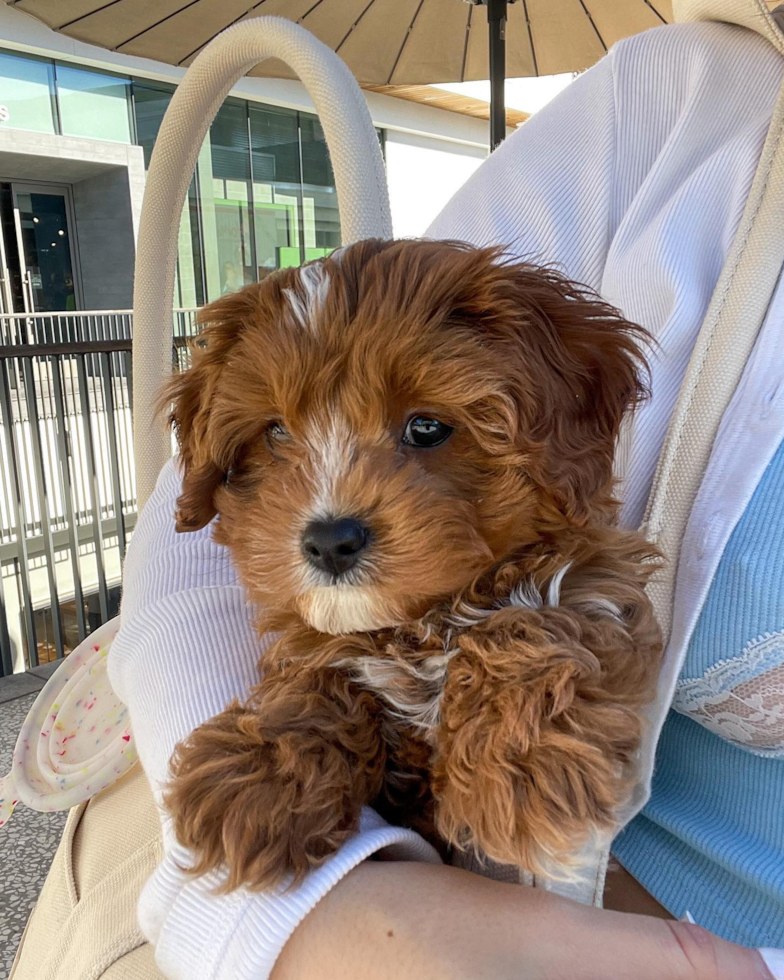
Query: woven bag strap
x=360, y=179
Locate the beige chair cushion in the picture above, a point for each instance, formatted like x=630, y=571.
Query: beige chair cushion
x=84, y=925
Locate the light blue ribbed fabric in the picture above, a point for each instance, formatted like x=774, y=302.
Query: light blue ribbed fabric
x=711, y=839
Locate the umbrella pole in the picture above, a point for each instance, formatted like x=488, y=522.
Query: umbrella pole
x=496, y=22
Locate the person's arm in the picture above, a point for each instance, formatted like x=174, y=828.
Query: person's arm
x=187, y=646
x=425, y=922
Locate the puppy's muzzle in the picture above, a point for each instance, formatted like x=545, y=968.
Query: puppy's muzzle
x=335, y=545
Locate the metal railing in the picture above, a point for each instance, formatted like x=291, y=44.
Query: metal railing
x=67, y=483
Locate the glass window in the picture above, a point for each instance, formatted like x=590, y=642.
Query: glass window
x=225, y=193
x=151, y=100
x=277, y=193
x=320, y=219
x=263, y=197
x=150, y=104
x=94, y=104
x=27, y=93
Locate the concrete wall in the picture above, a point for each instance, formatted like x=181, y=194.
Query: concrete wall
x=105, y=237
x=107, y=181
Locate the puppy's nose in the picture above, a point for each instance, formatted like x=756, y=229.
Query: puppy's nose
x=334, y=546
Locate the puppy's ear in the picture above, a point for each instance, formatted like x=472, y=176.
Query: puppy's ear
x=580, y=368
x=190, y=397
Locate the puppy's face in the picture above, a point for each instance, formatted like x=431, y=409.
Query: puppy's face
x=376, y=428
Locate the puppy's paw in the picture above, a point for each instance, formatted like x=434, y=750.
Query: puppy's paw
x=531, y=752
x=266, y=804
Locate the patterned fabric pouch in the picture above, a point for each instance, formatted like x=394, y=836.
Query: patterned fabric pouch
x=76, y=740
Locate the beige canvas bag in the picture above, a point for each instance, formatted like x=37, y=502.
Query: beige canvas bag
x=84, y=926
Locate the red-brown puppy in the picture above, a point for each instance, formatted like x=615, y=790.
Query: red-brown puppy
x=409, y=449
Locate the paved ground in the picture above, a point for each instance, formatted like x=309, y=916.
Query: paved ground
x=28, y=842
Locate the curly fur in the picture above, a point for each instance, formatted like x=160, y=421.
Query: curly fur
x=481, y=674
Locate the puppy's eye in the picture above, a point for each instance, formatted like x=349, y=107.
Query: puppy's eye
x=277, y=433
x=425, y=433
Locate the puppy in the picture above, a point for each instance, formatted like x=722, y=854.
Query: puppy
x=408, y=447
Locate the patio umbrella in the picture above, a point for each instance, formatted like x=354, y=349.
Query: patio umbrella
x=383, y=42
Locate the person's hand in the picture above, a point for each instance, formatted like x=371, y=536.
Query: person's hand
x=389, y=921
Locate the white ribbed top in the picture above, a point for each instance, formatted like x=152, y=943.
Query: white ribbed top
x=633, y=181
x=186, y=648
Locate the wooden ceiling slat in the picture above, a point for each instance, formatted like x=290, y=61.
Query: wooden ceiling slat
x=450, y=101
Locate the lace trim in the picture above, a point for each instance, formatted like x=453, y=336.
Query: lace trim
x=742, y=699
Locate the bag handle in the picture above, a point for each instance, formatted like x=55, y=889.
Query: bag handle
x=363, y=199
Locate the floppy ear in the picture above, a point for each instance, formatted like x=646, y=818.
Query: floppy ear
x=191, y=396
x=580, y=368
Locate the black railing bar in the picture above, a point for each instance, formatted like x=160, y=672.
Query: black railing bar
x=76, y=451
x=124, y=432
x=84, y=400
x=84, y=347
x=108, y=388
x=65, y=477
x=6, y=651
x=18, y=513
x=23, y=460
x=101, y=428
x=49, y=421
x=129, y=364
x=43, y=503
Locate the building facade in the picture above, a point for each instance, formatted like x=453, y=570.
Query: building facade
x=77, y=128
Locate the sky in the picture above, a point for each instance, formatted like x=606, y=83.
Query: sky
x=527, y=94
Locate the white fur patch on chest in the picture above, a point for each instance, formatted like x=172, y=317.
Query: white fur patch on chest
x=411, y=691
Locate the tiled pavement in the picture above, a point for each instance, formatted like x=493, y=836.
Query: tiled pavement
x=28, y=842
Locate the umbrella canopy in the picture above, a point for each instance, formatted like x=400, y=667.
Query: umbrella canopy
x=383, y=42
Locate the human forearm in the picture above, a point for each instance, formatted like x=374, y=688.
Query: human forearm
x=388, y=921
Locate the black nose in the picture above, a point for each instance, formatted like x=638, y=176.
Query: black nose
x=334, y=546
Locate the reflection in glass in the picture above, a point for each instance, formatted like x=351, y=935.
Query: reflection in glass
x=224, y=183
x=47, y=253
x=151, y=100
x=277, y=193
x=94, y=104
x=321, y=222
x=27, y=94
